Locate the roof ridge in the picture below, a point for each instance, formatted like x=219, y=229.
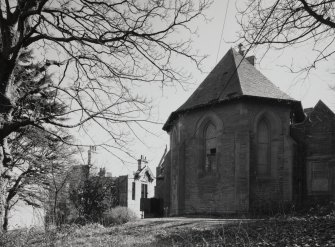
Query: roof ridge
x=237, y=66
x=320, y=103
x=231, y=50
x=211, y=84
x=255, y=87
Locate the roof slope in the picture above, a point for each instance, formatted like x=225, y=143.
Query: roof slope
x=233, y=77
x=145, y=170
x=254, y=83
x=320, y=107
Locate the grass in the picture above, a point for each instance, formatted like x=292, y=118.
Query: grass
x=293, y=232
x=280, y=231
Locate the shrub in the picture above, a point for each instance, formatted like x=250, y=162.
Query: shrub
x=327, y=209
x=21, y=237
x=118, y=215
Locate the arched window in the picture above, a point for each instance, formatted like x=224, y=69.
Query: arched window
x=263, y=148
x=210, y=147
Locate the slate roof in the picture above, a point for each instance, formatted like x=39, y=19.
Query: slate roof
x=320, y=106
x=233, y=77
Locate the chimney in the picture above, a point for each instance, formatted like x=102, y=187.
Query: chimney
x=240, y=49
x=91, y=150
x=140, y=161
x=251, y=60
x=102, y=172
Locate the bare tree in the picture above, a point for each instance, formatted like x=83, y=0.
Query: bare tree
x=102, y=49
x=57, y=193
x=278, y=24
x=39, y=160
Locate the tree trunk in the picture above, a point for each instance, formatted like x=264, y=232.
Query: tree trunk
x=2, y=189
x=8, y=61
x=5, y=162
x=5, y=219
x=55, y=218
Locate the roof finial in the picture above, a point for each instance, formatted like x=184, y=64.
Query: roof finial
x=240, y=49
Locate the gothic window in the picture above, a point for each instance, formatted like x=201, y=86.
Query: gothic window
x=210, y=147
x=263, y=148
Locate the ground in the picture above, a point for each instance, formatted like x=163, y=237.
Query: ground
x=279, y=231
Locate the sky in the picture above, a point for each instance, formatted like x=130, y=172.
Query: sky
x=209, y=42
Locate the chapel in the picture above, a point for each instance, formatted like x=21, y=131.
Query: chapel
x=239, y=144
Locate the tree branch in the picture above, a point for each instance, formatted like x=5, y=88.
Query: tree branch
x=317, y=17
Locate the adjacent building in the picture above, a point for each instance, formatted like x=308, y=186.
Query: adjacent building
x=127, y=190
x=136, y=186
x=314, y=174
